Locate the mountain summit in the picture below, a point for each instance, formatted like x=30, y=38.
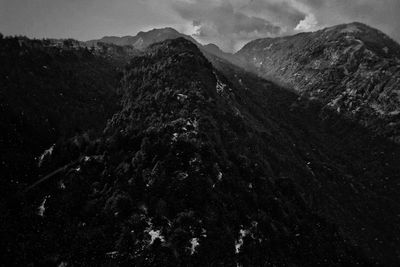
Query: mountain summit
x=351, y=68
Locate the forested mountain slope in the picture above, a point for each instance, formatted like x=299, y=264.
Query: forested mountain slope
x=48, y=91
x=207, y=165
x=351, y=68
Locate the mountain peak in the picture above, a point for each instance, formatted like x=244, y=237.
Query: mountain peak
x=144, y=39
x=352, y=28
x=349, y=67
x=356, y=24
x=179, y=43
x=212, y=46
x=166, y=30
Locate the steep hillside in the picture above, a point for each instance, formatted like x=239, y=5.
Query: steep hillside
x=354, y=177
x=48, y=91
x=350, y=68
x=211, y=166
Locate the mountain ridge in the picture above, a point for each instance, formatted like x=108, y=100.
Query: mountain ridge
x=351, y=68
x=143, y=39
x=204, y=163
x=174, y=182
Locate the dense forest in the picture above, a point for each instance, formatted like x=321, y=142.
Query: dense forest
x=49, y=90
x=203, y=164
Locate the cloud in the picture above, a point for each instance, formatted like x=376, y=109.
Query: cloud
x=224, y=22
x=309, y=23
x=232, y=23
x=282, y=12
x=228, y=23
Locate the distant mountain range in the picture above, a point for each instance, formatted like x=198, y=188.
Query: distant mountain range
x=352, y=68
x=155, y=150
x=144, y=39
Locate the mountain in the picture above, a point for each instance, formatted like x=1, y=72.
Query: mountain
x=169, y=154
x=206, y=164
x=215, y=51
x=143, y=39
x=351, y=68
x=49, y=90
x=366, y=164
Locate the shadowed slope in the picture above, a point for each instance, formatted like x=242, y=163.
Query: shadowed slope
x=194, y=170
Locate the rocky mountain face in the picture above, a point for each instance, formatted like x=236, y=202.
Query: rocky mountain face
x=352, y=68
x=205, y=164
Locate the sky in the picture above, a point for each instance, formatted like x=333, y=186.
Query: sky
x=228, y=23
